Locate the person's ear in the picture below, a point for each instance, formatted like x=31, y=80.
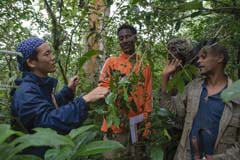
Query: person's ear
x=220, y=58
x=135, y=38
x=31, y=63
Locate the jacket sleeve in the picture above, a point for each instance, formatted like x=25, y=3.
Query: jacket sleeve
x=175, y=104
x=231, y=137
x=230, y=154
x=64, y=96
x=148, y=103
x=35, y=111
x=148, y=88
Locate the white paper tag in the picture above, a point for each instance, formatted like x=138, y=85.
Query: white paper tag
x=133, y=121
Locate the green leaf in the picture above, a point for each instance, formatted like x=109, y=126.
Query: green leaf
x=6, y=151
x=124, y=80
x=87, y=56
x=99, y=147
x=163, y=112
x=180, y=85
x=76, y=132
x=165, y=133
x=232, y=92
x=109, y=119
x=116, y=119
x=85, y=138
x=58, y=154
x=112, y=116
x=178, y=25
x=125, y=94
x=6, y=132
x=43, y=137
x=26, y=157
x=111, y=98
x=9, y=151
x=100, y=111
x=156, y=153
x=193, y=69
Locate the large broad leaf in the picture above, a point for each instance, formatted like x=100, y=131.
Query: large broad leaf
x=26, y=157
x=232, y=92
x=43, y=137
x=63, y=153
x=87, y=56
x=6, y=151
x=75, y=132
x=83, y=140
x=6, y=132
x=99, y=147
x=156, y=153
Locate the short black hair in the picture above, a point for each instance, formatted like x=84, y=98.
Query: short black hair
x=33, y=56
x=217, y=49
x=127, y=26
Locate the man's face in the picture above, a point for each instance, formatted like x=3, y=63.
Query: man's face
x=208, y=62
x=45, y=62
x=127, y=41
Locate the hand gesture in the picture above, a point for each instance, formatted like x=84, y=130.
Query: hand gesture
x=95, y=94
x=73, y=82
x=171, y=67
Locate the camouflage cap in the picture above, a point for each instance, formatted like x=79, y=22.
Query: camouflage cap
x=181, y=48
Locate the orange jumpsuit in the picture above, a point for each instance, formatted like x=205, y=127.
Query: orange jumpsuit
x=143, y=93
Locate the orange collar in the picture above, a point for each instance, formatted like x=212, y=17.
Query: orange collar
x=128, y=56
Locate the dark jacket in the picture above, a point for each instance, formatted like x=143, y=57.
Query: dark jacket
x=32, y=103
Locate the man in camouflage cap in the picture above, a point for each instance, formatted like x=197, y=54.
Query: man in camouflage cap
x=184, y=50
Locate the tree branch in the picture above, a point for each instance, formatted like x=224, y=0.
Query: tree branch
x=56, y=42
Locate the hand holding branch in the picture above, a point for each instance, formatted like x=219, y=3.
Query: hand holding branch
x=96, y=94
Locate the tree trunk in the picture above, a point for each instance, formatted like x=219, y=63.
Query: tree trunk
x=98, y=11
x=56, y=34
x=238, y=61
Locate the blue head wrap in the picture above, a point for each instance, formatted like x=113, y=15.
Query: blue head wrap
x=27, y=48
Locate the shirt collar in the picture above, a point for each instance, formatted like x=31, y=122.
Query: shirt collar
x=46, y=81
x=130, y=56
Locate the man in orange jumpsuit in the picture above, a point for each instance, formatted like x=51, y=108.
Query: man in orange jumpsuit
x=127, y=63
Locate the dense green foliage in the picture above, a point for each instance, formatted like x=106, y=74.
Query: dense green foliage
x=78, y=143
x=65, y=24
